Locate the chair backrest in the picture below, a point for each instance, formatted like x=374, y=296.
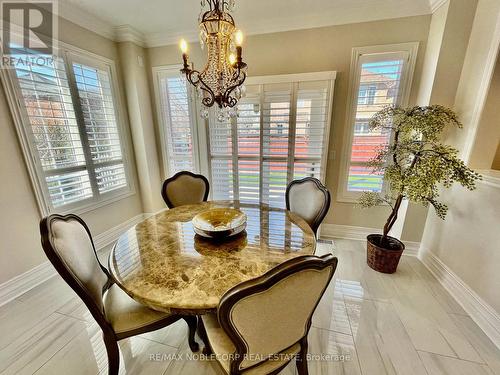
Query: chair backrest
x=309, y=199
x=271, y=313
x=185, y=188
x=68, y=244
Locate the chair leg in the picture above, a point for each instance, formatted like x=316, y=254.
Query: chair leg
x=301, y=360
x=113, y=355
x=203, y=335
x=192, y=322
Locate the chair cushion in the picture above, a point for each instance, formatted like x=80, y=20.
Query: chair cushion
x=125, y=314
x=73, y=245
x=222, y=346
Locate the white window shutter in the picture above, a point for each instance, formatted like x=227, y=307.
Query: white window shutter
x=56, y=137
x=280, y=134
x=99, y=116
x=179, y=122
x=69, y=119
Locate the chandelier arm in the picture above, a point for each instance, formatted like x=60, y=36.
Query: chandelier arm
x=227, y=94
x=207, y=100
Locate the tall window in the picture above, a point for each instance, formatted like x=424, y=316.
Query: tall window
x=381, y=77
x=280, y=134
x=178, y=122
x=70, y=122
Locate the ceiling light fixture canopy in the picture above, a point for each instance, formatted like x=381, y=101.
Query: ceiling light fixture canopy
x=221, y=81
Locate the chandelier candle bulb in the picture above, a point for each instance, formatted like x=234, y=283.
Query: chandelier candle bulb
x=184, y=47
x=238, y=38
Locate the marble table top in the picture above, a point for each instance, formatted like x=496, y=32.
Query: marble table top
x=163, y=264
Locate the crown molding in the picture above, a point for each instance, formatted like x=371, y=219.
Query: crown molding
x=436, y=4
x=86, y=20
x=126, y=33
x=170, y=37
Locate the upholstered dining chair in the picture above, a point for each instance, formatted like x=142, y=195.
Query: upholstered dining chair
x=262, y=324
x=185, y=188
x=310, y=199
x=68, y=244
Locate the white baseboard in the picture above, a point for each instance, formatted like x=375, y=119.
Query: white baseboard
x=481, y=312
x=331, y=231
x=22, y=283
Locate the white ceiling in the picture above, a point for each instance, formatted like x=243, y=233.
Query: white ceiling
x=160, y=22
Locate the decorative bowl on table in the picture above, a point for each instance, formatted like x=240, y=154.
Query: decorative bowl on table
x=219, y=223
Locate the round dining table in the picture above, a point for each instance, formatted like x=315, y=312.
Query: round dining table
x=162, y=263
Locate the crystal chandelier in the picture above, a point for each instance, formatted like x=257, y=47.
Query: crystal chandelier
x=221, y=81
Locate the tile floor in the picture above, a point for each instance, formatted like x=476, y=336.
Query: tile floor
x=367, y=323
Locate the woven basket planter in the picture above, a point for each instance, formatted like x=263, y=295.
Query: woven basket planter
x=383, y=259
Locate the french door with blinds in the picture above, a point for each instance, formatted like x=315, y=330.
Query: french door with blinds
x=280, y=134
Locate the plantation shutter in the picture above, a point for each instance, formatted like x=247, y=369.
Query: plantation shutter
x=70, y=124
x=277, y=142
x=54, y=131
x=280, y=134
x=249, y=143
x=221, y=152
x=179, y=121
x=101, y=129
x=310, y=138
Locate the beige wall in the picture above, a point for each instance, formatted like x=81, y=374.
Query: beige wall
x=20, y=249
x=431, y=59
x=468, y=240
x=322, y=49
x=455, y=39
x=488, y=133
x=139, y=104
x=447, y=45
x=496, y=161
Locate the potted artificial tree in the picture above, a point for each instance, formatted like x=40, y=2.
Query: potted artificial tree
x=414, y=164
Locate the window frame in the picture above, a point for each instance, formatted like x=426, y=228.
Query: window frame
x=68, y=54
x=163, y=122
x=409, y=51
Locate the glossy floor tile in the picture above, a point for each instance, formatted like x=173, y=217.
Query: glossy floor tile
x=366, y=324
x=441, y=365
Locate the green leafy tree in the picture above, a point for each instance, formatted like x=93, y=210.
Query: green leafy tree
x=415, y=162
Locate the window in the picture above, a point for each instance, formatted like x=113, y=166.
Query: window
x=380, y=77
x=361, y=127
x=71, y=128
x=176, y=110
x=367, y=94
x=280, y=134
